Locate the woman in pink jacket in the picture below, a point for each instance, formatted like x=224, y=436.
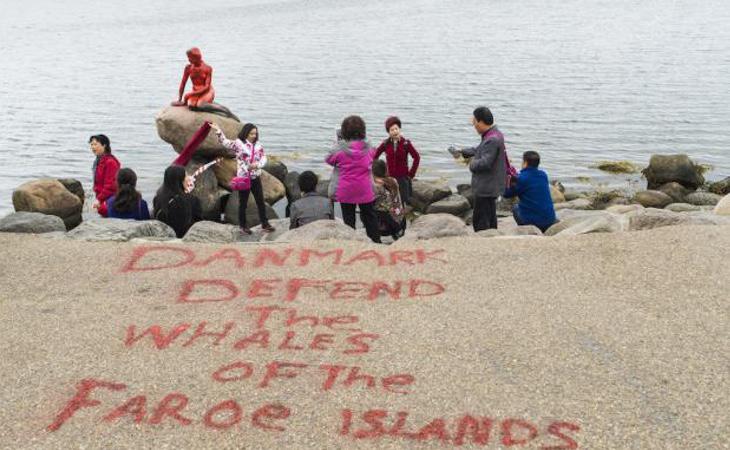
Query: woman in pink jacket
x=353, y=157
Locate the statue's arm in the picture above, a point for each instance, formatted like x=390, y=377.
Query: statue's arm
x=183, y=82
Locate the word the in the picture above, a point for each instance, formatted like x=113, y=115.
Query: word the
x=223, y=290
x=171, y=408
x=468, y=429
x=333, y=376
x=162, y=257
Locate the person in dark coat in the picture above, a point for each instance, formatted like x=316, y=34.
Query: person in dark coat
x=488, y=169
x=173, y=206
x=104, y=171
x=533, y=189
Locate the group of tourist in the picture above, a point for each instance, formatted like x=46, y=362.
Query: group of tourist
x=380, y=190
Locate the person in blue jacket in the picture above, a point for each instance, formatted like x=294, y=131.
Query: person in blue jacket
x=536, y=205
x=127, y=203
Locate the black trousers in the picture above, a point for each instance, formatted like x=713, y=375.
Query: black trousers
x=405, y=186
x=485, y=213
x=387, y=225
x=367, y=216
x=258, y=195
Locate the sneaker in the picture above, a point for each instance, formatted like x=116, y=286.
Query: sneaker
x=245, y=230
x=268, y=228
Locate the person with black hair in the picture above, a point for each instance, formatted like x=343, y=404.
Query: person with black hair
x=104, y=171
x=533, y=189
x=311, y=206
x=488, y=168
x=388, y=203
x=353, y=157
x=250, y=158
x=173, y=206
x=127, y=203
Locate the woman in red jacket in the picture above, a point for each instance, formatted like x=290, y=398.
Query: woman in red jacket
x=104, y=171
x=397, y=148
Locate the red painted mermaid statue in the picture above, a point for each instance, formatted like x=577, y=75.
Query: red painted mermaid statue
x=202, y=96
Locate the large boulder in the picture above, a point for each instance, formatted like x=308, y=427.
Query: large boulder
x=274, y=189
x=291, y=183
x=655, y=218
x=322, y=230
x=652, y=199
x=516, y=231
x=454, y=204
x=721, y=187
x=75, y=187
x=703, y=199
x=676, y=191
x=213, y=232
x=281, y=226
x=207, y=191
x=252, y=215
x=207, y=231
x=598, y=222
x=427, y=192
x=465, y=191
x=664, y=169
x=275, y=167
x=682, y=207
x=49, y=196
x=580, y=203
x=723, y=206
x=624, y=209
x=432, y=226
x=121, y=230
x=176, y=125
x=31, y=222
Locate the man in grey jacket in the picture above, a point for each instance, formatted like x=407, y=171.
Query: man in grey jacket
x=487, y=166
x=311, y=206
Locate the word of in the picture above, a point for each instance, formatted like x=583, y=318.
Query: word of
x=351, y=376
x=161, y=257
x=354, y=344
x=467, y=429
x=222, y=415
x=222, y=290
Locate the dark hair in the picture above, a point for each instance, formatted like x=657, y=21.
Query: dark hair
x=172, y=185
x=103, y=140
x=531, y=158
x=484, y=115
x=246, y=130
x=308, y=181
x=353, y=128
x=380, y=170
x=127, y=198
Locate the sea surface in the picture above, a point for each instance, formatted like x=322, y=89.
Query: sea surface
x=580, y=81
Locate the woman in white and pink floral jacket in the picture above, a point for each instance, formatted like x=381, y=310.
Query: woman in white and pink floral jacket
x=251, y=159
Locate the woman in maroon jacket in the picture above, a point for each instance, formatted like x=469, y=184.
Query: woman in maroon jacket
x=397, y=148
x=104, y=170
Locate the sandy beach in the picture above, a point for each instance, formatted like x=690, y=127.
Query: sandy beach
x=613, y=340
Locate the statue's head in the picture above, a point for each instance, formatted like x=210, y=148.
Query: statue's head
x=194, y=56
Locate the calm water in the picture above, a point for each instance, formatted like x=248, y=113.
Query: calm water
x=578, y=80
